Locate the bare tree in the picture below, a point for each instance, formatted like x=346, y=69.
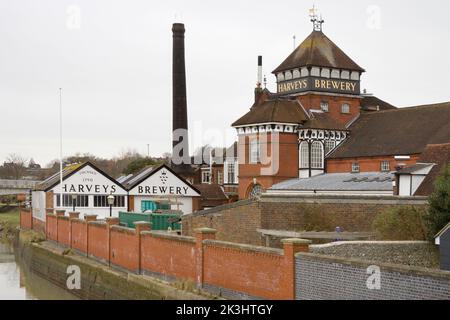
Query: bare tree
x=14, y=166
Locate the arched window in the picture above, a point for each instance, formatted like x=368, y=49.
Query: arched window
x=255, y=191
x=316, y=155
x=304, y=155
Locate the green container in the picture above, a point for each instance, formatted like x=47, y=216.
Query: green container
x=159, y=221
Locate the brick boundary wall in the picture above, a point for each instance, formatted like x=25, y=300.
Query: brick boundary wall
x=239, y=222
x=321, y=277
x=228, y=269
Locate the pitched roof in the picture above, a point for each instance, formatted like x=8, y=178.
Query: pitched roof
x=322, y=120
x=276, y=110
x=318, y=50
x=402, y=131
x=370, y=181
x=438, y=154
x=372, y=103
x=147, y=172
x=54, y=179
x=211, y=191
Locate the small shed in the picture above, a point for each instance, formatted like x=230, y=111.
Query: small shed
x=442, y=239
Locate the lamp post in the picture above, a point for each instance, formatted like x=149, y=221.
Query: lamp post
x=110, y=203
x=74, y=201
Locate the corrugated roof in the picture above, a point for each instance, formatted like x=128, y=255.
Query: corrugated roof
x=318, y=50
x=370, y=181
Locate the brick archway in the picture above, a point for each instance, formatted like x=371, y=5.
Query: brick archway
x=253, y=190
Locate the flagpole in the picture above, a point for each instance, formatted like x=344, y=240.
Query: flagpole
x=60, y=148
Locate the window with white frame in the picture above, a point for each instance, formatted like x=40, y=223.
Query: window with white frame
x=206, y=176
x=68, y=201
x=317, y=155
x=329, y=145
x=231, y=172
x=304, y=155
x=324, y=106
x=385, y=167
x=255, y=151
x=102, y=201
x=345, y=108
x=355, y=167
x=219, y=177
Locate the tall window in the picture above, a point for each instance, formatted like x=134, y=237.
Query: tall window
x=231, y=172
x=329, y=145
x=385, y=167
x=324, y=106
x=316, y=155
x=345, y=108
x=206, y=176
x=102, y=201
x=80, y=201
x=304, y=155
x=355, y=167
x=255, y=151
x=219, y=177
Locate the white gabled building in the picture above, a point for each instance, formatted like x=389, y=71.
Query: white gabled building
x=160, y=188
x=84, y=188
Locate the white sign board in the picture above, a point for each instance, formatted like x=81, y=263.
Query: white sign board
x=163, y=183
x=89, y=181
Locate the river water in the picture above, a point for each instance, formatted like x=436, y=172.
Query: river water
x=17, y=283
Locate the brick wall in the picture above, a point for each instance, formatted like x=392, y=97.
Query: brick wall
x=236, y=222
x=168, y=256
x=26, y=219
x=124, y=248
x=239, y=222
x=79, y=236
x=63, y=230
x=98, y=240
x=51, y=227
x=322, y=277
x=366, y=164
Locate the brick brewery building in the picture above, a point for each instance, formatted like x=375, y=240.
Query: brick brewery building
x=320, y=124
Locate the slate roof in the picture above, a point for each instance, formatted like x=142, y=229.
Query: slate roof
x=402, y=131
x=372, y=103
x=369, y=181
x=318, y=50
x=438, y=154
x=323, y=120
x=277, y=110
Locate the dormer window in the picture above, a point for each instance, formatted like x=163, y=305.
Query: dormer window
x=324, y=106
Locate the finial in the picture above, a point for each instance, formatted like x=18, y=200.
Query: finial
x=317, y=22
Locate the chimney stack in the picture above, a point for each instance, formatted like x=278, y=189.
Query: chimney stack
x=180, y=154
x=258, y=89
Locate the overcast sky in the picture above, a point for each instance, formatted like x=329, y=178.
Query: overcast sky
x=113, y=61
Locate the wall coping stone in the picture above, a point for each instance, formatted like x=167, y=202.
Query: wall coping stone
x=243, y=247
x=419, y=271
x=205, y=230
x=369, y=242
x=63, y=218
x=296, y=241
x=98, y=223
x=166, y=235
x=122, y=229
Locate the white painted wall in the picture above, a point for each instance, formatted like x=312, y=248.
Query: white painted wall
x=38, y=204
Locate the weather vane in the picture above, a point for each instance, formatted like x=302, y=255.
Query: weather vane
x=315, y=19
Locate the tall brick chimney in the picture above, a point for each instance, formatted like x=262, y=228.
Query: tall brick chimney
x=180, y=143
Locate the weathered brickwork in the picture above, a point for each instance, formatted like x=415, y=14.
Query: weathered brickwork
x=235, y=222
x=239, y=222
x=320, y=277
